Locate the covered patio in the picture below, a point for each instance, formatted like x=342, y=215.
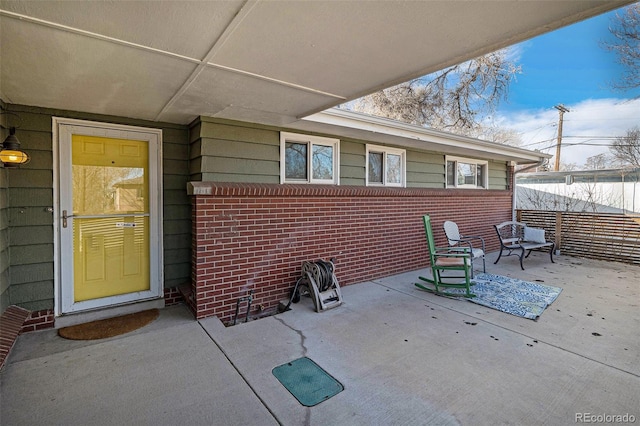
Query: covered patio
x=219, y=91
x=404, y=357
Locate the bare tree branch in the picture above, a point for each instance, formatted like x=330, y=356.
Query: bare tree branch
x=598, y=162
x=626, y=149
x=454, y=99
x=626, y=30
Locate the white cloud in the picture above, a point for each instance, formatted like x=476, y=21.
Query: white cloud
x=589, y=124
x=515, y=52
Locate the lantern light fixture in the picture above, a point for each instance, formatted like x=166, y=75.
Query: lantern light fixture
x=10, y=153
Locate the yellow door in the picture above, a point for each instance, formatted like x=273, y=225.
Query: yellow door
x=111, y=216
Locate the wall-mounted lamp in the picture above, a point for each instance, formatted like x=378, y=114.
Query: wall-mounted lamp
x=10, y=153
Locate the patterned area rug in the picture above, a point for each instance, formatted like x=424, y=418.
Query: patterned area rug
x=511, y=295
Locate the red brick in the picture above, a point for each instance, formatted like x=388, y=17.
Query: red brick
x=258, y=235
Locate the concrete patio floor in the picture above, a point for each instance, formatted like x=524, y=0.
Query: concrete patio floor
x=405, y=357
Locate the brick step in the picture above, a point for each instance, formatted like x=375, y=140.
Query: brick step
x=11, y=322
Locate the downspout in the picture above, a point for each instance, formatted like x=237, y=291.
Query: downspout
x=513, y=201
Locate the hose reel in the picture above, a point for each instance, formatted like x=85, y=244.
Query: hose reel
x=318, y=281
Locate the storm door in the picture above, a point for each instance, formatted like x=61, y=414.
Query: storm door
x=108, y=215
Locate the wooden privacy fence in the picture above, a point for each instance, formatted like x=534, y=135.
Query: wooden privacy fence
x=605, y=236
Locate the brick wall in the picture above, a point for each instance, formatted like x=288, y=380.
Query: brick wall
x=43, y=319
x=255, y=237
x=11, y=322
x=38, y=320
x=172, y=296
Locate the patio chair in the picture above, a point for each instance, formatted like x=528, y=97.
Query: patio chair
x=457, y=241
x=518, y=238
x=443, y=259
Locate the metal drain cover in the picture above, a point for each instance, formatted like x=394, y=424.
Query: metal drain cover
x=307, y=382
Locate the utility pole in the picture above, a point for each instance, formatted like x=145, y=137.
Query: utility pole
x=561, y=110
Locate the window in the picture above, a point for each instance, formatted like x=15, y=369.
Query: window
x=385, y=166
x=309, y=159
x=466, y=173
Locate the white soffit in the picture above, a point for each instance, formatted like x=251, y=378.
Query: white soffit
x=268, y=62
x=359, y=126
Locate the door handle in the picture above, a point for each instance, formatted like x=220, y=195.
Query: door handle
x=65, y=216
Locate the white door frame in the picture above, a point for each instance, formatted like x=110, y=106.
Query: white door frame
x=63, y=262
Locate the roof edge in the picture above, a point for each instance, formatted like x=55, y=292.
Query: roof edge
x=412, y=133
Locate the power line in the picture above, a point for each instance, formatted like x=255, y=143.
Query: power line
x=600, y=119
x=594, y=137
x=539, y=129
x=539, y=142
x=581, y=143
x=595, y=144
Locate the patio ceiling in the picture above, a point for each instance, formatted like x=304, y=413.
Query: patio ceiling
x=269, y=62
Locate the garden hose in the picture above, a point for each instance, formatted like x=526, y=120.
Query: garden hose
x=322, y=274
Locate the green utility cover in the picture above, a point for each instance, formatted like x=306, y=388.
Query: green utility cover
x=307, y=382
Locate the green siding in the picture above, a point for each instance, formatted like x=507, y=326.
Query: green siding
x=239, y=177
x=245, y=150
x=23, y=274
x=25, y=178
x=172, y=183
x=33, y=292
x=425, y=170
x=31, y=254
x=174, y=151
x=240, y=132
x=29, y=235
x=249, y=166
x=30, y=225
x=179, y=227
x=175, y=273
x=498, y=175
x=230, y=151
x=33, y=197
x=352, y=163
x=175, y=196
x=27, y=228
x=4, y=237
x=5, y=290
x=176, y=206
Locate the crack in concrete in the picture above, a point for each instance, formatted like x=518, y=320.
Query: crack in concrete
x=303, y=338
x=242, y=376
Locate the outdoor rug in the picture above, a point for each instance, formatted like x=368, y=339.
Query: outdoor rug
x=511, y=295
x=110, y=327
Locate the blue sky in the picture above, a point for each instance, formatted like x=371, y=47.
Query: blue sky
x=566, y=66
x=569, y=66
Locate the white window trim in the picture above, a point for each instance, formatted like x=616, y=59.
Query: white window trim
x=477, y=162
x=310, y=140
x=387, y=150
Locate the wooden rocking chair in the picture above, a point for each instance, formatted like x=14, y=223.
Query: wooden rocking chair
x=443, y=259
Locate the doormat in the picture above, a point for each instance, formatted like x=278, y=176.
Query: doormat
x=110, y=327
x=513, y=296
x=307, y=382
